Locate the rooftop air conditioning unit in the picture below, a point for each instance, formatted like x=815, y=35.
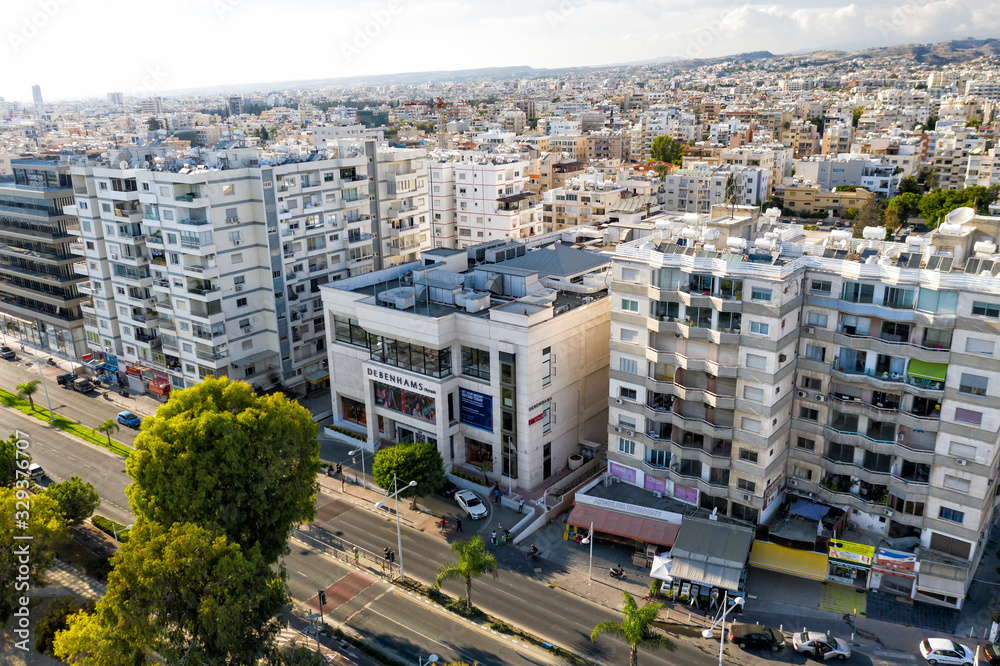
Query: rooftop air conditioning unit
x=961, y=461
x=809, y=329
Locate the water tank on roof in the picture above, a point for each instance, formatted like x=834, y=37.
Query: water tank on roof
x=688, y=232
x=841, y=235
x=691, y=218
x=950, y=229
x=873, y=233
x=736, y=243
x=985, y=246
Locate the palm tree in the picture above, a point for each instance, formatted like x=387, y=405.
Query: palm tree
x=473, y=561
x=661, y=170
x=109, y=426
x=636, y=629
x=26, y=390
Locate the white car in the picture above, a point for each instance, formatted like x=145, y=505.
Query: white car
x=471, y=504
x=946, y=651
x=35, y=471
x=820, y=645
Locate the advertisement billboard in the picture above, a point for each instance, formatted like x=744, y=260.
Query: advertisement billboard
x=476, y=409
x=413, y=404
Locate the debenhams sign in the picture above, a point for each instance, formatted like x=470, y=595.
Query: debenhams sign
x=399, y=380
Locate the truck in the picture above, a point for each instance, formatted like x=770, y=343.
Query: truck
x=83, y=385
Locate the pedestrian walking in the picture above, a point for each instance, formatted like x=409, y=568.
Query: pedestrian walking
x=493, y=538
x=520, y=505
x=458, y=525
x=496, y=495
x=444, y=523
x=356, y=557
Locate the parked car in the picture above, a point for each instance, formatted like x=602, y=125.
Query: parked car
x=83, y=385
x=7, y=353
x=946, y=651
x=35, y=471
x=820, y=645
x=756, y=636
x=448, y=489
x=65, y=379
x=471, y=504
x=129, y=419
x=992, y=654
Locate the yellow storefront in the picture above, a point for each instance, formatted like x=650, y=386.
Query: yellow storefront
x=792, y=561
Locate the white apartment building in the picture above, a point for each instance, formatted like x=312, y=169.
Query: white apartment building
x=583, y=200
x=983, y=168
x=775, y=158
x=849, y=169
x=951, y=157
x=152, y=105
x=854, y=374
x=212, y=266
x=502, y=364
x=700, y=187
x=478, y=197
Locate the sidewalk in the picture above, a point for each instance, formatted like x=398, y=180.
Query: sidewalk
x=77, y=582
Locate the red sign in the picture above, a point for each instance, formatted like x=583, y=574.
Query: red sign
x=536, y=419
x=132, y=369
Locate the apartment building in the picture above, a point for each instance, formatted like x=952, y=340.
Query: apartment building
x=477, y=197
x=40, y=291
x=950, y=159
x=497, y=355
x=837, y=138
x=608, y=145
x=212, y=266
x=581, y=201
x=856, y=375
x=698, y=188
x=849, y=169
x=802, y=196
x=775, y=159
x=983, y=168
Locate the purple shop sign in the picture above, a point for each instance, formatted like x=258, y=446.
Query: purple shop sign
x=685, y=494
x=654, y=484
x=623, y=472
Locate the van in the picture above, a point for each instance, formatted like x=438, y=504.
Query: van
x=83, y=385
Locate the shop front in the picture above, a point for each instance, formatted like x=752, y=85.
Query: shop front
x=850, y=563
x=894, y=571
x=775, y=557
x=646, y=530
x=709, y=561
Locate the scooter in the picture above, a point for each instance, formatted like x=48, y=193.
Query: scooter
x=618, y=573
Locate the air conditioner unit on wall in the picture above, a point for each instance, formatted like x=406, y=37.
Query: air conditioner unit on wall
x=618, y=428
x=657, y=494
x=808, y=329
x=821, y=398
x=619, y=400
x=630, y=433
x=803, y=394
x=887, y=512
x=961, y=461
x=746, y=498
x=793, y=482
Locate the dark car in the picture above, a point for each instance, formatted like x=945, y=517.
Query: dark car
x=82, y=385
x=65, y=379
x=992, y=654
x=756, y=636
x=7, y=353
x=448, y=489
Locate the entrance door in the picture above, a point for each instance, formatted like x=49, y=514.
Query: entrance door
x=547, y=461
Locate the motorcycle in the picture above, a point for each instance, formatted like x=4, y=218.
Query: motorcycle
x=618, y=573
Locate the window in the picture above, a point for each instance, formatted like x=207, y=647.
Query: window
x=476, y=362
x=749, y=456
x=968, y=416
x=815, y=353
x=954, y=515
x=812, y=383
x=657, y=458
x=241, y=302
x=960, y=450
x=821, y=286
x=756, y=362
x=228, y=190
x=979, y=346
x=984, y=309
x=759, y=328
x=898, y=298
x=746, y=485
x=630, y=305
x=817, y=319
x=753, y=393
x=857, y=292
x=802, y=473
x=546, y=420
x=626, y=422
x=807, y=444
x=247, y=372
x=237, y=258
x=955, y=483
x=808, y=413
x=630, y=275
x=627, y=393
x=247, y=344
x=973, y=384
x=546, y=366
x=628, y=365
x=749, y=424
x=629, y=335
x=626, y=446
x=759, y=294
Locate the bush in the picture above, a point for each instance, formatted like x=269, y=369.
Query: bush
x=462, y=607
x=500, y=627
x=98, y=567
x=478, y=480
x=349, y=433
x=109, y=527
x=437, y=596
x=53, y=620
x=654, y=589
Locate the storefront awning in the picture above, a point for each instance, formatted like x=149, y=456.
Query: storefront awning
x=782, y=559
x=716, y=575
x=924, y=370
x=318, y=376
x=939, y=585
x=625, y=525
x=809, y=510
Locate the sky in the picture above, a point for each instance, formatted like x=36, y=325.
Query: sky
x=76, y=49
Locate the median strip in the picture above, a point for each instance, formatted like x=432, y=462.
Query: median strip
x=72, y=427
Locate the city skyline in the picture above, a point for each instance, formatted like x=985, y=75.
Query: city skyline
x=364, y=40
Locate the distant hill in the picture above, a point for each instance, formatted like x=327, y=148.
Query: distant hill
x=941, y=53
x=737, y=57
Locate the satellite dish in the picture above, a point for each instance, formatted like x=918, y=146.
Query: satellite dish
x=123, y=165
x=960, y=215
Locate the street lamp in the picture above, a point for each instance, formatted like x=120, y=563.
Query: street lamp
x=738, y=601
x=399, y=534
x=115, y=530
x=432, y=659
x=589, y=539
x=361, y=450
x=38, y=363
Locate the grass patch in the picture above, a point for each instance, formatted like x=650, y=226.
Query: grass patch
x=72, y=427
x=110, y=527
x=465, y=609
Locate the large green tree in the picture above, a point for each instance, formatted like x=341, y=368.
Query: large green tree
x=636, y=629
x=420, y=462
x=910, y=185
x=11, y=460
x=77, y=499
x=34, y=516
x=472, y=561
x=221, y=456
x=667, y=149
x=54, y=620
x=187, y=594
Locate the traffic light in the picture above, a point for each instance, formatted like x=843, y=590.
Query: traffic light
x=392, y=556
x=387, y=554
x=340, y=468
x=322, y=597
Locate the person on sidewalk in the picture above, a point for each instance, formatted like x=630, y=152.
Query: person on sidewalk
x=458, y=524
x=444, y=523
x=493, y=538
x=520, y=505
x=356, y=557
